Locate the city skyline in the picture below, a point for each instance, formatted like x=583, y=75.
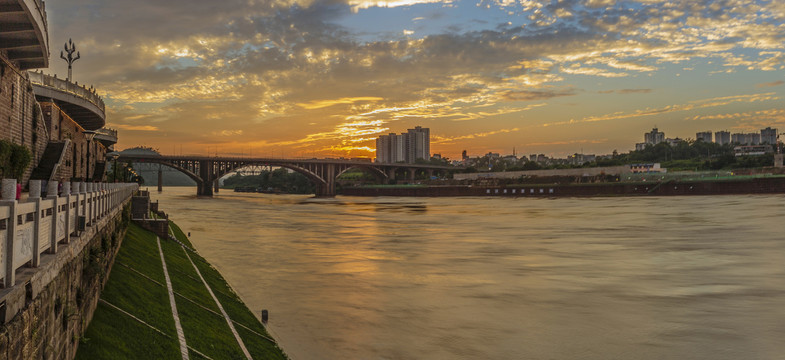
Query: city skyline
x=319, y=79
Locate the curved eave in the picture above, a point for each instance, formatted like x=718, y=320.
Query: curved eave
x=23, y=33
x=85, y=113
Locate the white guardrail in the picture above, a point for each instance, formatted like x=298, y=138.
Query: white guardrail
x=31, y=227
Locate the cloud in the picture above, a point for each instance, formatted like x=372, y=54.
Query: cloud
x=272, y=67
x=770, y=84
x=436, y=139
x=531, y=95
x=318, y=104
x=634, y=91
x=693, y=105
x=133, y=127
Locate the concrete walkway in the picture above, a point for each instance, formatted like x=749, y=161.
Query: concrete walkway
x=180, y=334
x=220, y=307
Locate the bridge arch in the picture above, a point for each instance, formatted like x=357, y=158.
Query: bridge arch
x=369, y=169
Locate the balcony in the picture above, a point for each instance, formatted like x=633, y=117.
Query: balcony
x=80, y=103
x=24, y=34
x=106, y=136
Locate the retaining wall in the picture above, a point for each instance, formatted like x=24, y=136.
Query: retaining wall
x=50, y=294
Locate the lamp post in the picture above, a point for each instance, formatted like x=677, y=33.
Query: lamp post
x=114, y=156
x=89, y=134
x=70, y=48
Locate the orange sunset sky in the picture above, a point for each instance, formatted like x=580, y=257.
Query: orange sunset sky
x=325, y=78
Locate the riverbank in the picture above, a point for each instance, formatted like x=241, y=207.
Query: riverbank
x=163, y=299
x=770, y=184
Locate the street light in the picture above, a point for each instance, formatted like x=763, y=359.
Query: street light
x=114, y=155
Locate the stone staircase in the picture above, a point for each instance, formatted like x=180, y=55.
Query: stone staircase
x=98, y=172
x=50, y=160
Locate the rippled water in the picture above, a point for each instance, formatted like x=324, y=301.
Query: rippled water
x=492, y=278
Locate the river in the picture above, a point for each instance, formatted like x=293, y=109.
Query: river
x=501, y=278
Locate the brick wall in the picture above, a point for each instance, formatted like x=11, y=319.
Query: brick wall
x=21, y=119
x=75, y=162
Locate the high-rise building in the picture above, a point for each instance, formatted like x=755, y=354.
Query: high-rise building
x=704, y=136
x=464, y=157
x=722, y=137
x=418, y=144
x=654, y=137
x=745, y=139
x=768, y=136
x=406, y=147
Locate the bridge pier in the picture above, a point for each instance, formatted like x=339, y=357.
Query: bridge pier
x=160, y=178
x=216, y=186
x=206, y=173
x=328, y=188
x=410, y=173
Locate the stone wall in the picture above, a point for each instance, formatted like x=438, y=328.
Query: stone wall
x=59, y=297
x=20, y=114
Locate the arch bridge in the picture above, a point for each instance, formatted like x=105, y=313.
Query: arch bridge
x=321, y=172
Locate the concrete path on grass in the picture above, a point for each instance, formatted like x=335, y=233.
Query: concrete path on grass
x=180, y=334
x=220, y=307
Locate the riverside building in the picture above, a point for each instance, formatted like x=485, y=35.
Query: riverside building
x=406, y=147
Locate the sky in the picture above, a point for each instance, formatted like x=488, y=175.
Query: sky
x=319, y=78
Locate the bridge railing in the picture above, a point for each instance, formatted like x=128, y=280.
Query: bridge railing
x=37, y=225
x=66, y=86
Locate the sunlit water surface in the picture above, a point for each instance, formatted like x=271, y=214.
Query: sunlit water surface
x=493, y=278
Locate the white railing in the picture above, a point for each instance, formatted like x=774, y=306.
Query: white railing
x=37, y=225
x=66, y=86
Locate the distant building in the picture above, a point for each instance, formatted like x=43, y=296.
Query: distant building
x=768, y=136
x=745, y=139
x=673, y=142
x=578, y=159
x=640, y=146
x=722, y=137
x=418, y=144
x=752, y=150
x=407, y=147
x=464, y=157
x=654, y=137
x=704, y=136
x=647, y=168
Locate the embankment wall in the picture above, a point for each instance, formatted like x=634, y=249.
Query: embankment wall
x=48, y=306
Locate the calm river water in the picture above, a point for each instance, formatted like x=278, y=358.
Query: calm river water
x=492, y=278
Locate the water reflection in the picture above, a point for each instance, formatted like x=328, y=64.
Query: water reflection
x=468, y=278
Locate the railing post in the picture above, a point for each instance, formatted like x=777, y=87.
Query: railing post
x=9, y=199
x=51, y=193
x=77, y=189
x=89, y=200
x=67, y=193
x=35, y=196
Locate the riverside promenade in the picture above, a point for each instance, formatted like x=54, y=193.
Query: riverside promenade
x=176, y=305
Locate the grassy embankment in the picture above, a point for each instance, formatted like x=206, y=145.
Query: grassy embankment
x=137, y=287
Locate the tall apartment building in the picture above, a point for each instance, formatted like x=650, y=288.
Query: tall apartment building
x=654, y=137
x=704, y=136
x=722, y=137
x=745, y=139
x=418, y=144
x=768, y=136
x=406, y=147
